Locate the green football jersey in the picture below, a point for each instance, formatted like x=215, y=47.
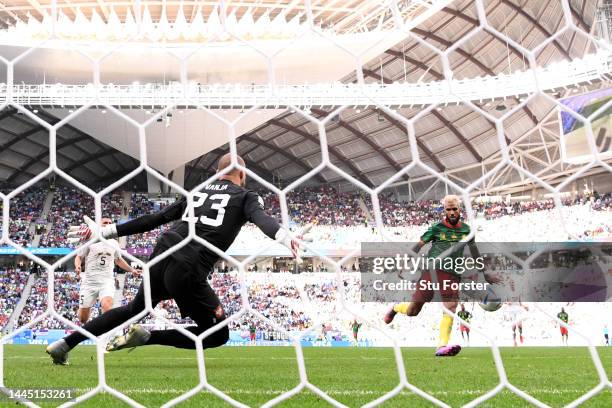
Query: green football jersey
x=563, y=317
x=442, y=236
x=464, y=315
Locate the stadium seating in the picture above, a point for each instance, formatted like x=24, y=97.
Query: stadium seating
x=66, y=300
x=309, y=301
x=25, y=209
x=341, y=218
x=68, y=208
x=12, y=282
x=311, y=298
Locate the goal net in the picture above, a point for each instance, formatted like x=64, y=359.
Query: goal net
x=358, y=116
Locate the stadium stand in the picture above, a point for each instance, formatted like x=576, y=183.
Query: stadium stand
x=66, y=300
x=281, y=300
x=68, y=208
x=335, y=224
x=12, y=282
x=25, y=210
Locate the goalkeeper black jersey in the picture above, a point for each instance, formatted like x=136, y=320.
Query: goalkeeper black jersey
x=220, y=210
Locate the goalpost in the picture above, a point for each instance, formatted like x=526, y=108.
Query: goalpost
x=395, y=20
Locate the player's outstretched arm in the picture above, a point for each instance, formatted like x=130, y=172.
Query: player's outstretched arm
x=254, y=211
x=120, y=262
x=135, y=226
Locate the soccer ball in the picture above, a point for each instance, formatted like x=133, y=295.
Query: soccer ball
x=491, y=301
x=490, y=306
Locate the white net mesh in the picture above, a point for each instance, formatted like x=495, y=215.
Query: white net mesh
x=524, y=77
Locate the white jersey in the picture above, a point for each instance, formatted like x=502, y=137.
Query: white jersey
x=160, y=323
x=99, y=263
x=515, y=313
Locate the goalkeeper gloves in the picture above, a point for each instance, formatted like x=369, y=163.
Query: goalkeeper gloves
x=84, y=232
x=294, y=245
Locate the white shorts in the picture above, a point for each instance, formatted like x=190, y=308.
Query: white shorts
x=90, y=293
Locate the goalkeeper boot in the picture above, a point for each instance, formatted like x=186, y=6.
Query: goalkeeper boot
x=448, y=351
x=136, y=336
x=390, y=315
x=58, y=351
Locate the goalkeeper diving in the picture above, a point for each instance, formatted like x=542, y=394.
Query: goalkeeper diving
x=221, y=208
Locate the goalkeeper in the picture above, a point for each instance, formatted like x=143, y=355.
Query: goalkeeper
x=442, y=235
x=220, y=209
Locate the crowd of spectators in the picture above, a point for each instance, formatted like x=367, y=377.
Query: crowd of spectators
x=337, y=215
x=341, y=215
x=66, y=298
x=25, y=209
x=404, y=213
x=12, y=282
x=112, y=206
x=68, y=208
x=283, y=303
x=325, y=206
x=141, y=205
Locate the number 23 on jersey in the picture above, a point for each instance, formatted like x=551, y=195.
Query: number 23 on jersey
x=218, y=202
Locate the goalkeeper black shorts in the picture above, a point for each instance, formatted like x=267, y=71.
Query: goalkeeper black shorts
x=182, y=276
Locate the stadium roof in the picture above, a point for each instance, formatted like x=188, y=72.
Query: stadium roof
x=368, y=143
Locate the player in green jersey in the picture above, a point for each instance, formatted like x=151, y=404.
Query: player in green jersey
x=355, y=326
x=442, y=236
x=466, y=317
x=563, y=316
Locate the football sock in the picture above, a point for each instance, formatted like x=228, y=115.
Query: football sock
x=401, y=307
x=446, y=326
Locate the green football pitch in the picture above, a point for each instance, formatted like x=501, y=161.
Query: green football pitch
x=352, y=376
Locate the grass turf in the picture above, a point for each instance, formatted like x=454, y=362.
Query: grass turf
x=353, y=376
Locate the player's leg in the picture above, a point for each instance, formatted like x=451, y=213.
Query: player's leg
x=407, y=308
x=87, y=298
x=465, y=334
x=107, y=321
x=412, y=308
x=106, y=304
x=450, y=300
x=103, y=323
x=196, y=299
x=198, y=302
x=520, y=330
x=83, y=314
x=514, y=333
x=110, y=319
x=446, y=326
x=107, y=294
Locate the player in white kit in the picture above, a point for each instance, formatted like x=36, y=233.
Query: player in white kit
x=98, y=281
x=516, y=315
